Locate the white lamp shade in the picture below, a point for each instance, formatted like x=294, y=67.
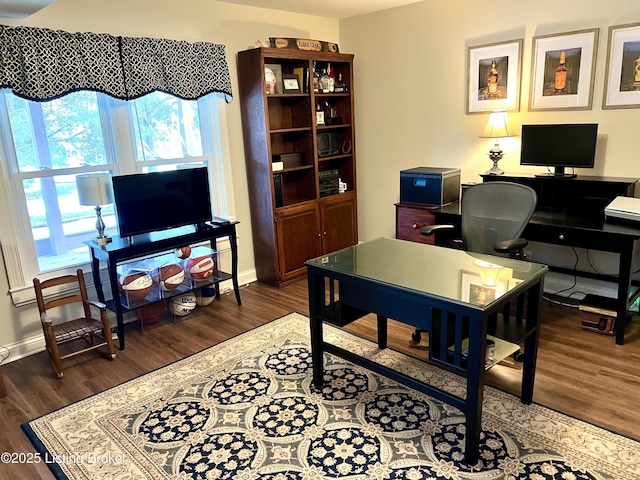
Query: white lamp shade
x=94, y=189
x=497, y=125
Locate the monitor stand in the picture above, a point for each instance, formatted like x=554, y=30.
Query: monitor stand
x=558, y=172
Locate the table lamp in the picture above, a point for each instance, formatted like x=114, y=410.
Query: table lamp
x=497, y=127
x=489, y=272
x=95, y=189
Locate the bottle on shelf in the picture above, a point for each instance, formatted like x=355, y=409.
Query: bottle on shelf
x=316, y=79
x=561, y=73
x=340, y=86
x=324, y=82
x=332, y=78
x=319, y=114
x=492, y=79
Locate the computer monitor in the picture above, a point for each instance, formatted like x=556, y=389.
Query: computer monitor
x=559, y=146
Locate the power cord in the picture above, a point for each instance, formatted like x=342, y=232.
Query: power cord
x=556, y=303
x=5, y=353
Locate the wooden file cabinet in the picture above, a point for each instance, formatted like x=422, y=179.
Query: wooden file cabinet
x=410, y=218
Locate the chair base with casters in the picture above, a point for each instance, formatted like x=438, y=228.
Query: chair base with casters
x=494, y=215
x=88, y=332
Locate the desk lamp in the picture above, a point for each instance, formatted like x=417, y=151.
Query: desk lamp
x=95, y=189
x=497, y=127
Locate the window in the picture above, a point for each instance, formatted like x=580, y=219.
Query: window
x=45, y=145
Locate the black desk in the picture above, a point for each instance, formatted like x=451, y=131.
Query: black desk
x=424, y=286
x=121, y=249
x=560, y=228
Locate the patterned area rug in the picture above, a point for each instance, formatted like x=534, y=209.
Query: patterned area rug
x=246, y=409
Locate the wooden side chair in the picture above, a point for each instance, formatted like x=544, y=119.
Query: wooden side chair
x=94, y=330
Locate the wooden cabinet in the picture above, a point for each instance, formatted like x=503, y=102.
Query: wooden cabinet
x=297, y=211
x=410, y=218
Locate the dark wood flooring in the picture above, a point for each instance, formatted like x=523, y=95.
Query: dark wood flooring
x=582, y=374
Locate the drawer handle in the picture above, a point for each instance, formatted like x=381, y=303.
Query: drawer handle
x=561, y=237
x=414, y=226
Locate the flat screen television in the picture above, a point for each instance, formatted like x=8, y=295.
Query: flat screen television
x=559, y=146
x=150, y=202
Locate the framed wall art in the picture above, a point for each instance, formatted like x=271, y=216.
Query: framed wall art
x=493, y=76
x=562, y=70
x=473, y=291
x=622, y=75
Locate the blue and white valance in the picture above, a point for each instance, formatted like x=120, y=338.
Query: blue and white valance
x=41, y=64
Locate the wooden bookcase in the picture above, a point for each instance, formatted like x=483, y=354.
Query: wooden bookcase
x=294, y=217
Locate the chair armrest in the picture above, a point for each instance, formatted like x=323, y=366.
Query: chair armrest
x=97, y=304
x=44, y=318
x=431, y=229
x=507, y=246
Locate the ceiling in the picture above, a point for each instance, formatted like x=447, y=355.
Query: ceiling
x=324, y=8
x=21, y=8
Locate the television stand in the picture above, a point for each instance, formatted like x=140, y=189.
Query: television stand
x=123, y=249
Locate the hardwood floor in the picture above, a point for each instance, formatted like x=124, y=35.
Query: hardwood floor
x=581, y=374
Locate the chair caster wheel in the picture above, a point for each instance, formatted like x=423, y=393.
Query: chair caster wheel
x=416, y=337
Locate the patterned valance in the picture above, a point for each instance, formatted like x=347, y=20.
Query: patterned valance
x=41, y=64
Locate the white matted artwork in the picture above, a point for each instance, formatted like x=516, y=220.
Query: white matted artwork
x=622, y=81
x=562, y=70
x=473, y=291
x=493, y=76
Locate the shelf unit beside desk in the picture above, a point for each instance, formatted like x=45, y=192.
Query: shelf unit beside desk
x=571, y=212
x=122, y=249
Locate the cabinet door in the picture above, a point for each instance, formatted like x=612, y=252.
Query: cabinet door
x=297, y=230
x=339, y=222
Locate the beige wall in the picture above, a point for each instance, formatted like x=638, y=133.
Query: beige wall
x=410, y=90
x=235, y=26
x=410, y=74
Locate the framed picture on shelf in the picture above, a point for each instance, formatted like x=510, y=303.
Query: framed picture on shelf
x=473, y=291
x=562, y=70
x=622, y=75
x=290, y=83
x=493, y=76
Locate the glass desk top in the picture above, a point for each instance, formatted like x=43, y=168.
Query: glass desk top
x=454, y=275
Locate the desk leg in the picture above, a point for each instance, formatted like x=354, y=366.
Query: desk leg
x=534, y=300
x=234, y=265
x=95, y=272
x=316, y=295
x=475, y=390
x=624, y=284
x=382, y=332
x=115, y=294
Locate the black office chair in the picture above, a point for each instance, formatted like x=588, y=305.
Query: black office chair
x=494, y=215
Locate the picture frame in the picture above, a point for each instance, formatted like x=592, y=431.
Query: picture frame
x=473, y=291
x=505, y=92
x=290, y=83
x=563, y=86
x=622, y=73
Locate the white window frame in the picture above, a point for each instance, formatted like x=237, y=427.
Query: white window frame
x=16, y=238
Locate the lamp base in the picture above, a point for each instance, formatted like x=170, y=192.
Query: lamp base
x=102, y=241
x=494, y=171
x=495, y=155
